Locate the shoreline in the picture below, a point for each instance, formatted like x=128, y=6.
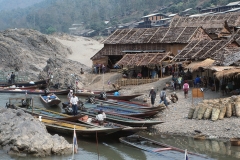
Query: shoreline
x=175, y=118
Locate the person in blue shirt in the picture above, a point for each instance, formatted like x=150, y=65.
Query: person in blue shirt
x=197, y=81
x=116, y=93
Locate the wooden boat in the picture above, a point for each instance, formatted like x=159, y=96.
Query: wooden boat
x=126, y=130
x=127, y=105
x=25, y=84
x=126, y=111
x=87, y=93
x=51, y=100
x=123, y=97
x=126, y=120
x=66, y=127
x=25, y=88
x=134, y=103
x=33, y=91
x=37, y=111
x=156, y=147
x=235, y=141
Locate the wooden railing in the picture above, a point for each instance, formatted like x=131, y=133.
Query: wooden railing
x=126, y=82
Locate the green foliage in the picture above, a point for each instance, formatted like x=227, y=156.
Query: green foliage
x=50, y=30
x=58, y=15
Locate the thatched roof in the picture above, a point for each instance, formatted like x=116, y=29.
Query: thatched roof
x=220, y=68
x=142, y=59
x=204, y=64
x=228, y=73
x=200, y=50
x=208, y=21
x=156, y=35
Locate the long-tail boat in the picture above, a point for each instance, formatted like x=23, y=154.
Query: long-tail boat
x=127, y=120
x=126, y=131
x=161, y=149
x=37, y=111
x=67, y=127
x=125, y=111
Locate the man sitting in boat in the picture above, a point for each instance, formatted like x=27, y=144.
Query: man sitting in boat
x=100, y=117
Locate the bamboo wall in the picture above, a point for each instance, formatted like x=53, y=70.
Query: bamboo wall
x=126, y=82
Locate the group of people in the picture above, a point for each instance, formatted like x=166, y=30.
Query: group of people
x=163, y=95
x=99, y=68
x=73, y=101
x=11, y=78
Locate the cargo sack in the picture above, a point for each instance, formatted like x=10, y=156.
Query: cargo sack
x=237, y=107
x=201, y=112
x=233, y=109
x=195, y=112
x=190, y=113
x=215, y=114
x=207, y=113
x=222, y=112
x=228, y=110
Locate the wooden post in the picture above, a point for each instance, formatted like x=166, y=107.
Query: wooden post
x=161, y=70
x=32, y=106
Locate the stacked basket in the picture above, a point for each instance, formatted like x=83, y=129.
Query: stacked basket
x=216, y=109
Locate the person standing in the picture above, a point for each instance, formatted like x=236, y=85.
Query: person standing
x=185, y=89
x=8, y=78
x=179, y=81
x=73, y=103
x=152, y=94
x=12, y=78
x=70, y=95
x=174, y=79
x=163, y=96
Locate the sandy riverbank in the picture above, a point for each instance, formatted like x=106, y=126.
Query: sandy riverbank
x=83, y=48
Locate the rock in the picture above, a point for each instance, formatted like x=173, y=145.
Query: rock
x=23, y=134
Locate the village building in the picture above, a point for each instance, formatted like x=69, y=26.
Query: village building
x=217, y=26
x=151, y=46
x=150, y=20
x=229, y=6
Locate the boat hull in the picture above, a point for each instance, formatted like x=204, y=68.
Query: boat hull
x=50, y=102
x=66, y=127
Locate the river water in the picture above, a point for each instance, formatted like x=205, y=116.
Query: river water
x=111, y=149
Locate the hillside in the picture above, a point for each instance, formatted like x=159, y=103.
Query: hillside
x=58, y=16
x=33, y=54
x=13, y=4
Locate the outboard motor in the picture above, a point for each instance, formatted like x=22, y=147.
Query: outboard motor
x=68, y=110
x=12, y=106
x=103, y=95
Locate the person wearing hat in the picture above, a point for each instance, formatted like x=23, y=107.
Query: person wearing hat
x=152, y=94
x=70, y=95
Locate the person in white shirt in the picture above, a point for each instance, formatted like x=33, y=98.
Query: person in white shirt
x=104, y=115
x=70, y=95
x=100, y=118
x=73, y=103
